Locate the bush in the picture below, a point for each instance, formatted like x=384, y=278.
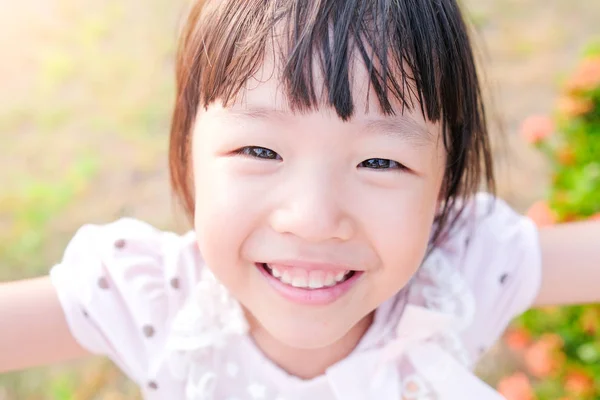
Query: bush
x=564, y=364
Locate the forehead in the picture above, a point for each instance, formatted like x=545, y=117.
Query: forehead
x=265, y=96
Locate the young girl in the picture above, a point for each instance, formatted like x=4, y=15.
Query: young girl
x=328, y=153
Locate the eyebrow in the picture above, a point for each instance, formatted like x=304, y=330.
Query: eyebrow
x=259, y=113
x=402, y=127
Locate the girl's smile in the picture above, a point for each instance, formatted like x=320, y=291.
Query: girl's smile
x=309, y=283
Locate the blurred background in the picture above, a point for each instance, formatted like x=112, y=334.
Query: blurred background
x=85, y=100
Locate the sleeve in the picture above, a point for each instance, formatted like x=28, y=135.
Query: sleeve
x=501, y=262
x=120, y=284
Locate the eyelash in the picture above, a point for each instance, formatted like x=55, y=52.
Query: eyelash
x=381, y=163
x=258, y=152
x=267, y=154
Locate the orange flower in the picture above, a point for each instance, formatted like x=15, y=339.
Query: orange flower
x=566, y=156
x=517, y=339
x=586, y=77
x=541, y=358
x=516, y=387
x=571, y=107
x=542, y=214
x=536, y=128
x=552, y=341
x=595, y=217
x=578, y=383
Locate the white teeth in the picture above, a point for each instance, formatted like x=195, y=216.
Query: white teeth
x=315, y=281
x=310, y=280
x=299, y=282
x=341, y=276
x=329, y=279
x=286, y=277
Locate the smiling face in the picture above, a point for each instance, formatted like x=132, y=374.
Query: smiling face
x=310, y=221
x=313, y=185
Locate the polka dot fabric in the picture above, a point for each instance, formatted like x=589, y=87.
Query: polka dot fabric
x=119, y=287
x=136, y=295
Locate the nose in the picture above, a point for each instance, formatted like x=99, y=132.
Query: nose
x=313, y=211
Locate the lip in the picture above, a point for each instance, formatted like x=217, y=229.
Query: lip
x=314, y=297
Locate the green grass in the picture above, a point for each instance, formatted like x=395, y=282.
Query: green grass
x=94, y=107
x=30, y=208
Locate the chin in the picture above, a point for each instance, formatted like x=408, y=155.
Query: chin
x=302, y=334
x=301, y=326
x=306, y=340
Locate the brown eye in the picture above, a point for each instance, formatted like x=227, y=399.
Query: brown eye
x=259, y=152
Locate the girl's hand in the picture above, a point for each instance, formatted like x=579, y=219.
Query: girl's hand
x=570, y=264
x=33, y=328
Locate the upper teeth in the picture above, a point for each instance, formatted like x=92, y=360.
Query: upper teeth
x=309, y=280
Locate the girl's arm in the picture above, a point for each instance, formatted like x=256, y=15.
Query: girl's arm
x=33, y=328
x=570, y=264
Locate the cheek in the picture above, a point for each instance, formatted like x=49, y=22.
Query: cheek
x=405, y=234
x=226, y=215
x=218, y=218
x=225, y=199
x=399, y=229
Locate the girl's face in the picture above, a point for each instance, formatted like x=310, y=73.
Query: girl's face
x=312, y=222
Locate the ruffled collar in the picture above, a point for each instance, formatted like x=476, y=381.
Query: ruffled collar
x=423, y=339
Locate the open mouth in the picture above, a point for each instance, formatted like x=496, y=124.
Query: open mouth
x=311, y=280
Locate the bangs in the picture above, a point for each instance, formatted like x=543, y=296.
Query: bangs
x=411, y=53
